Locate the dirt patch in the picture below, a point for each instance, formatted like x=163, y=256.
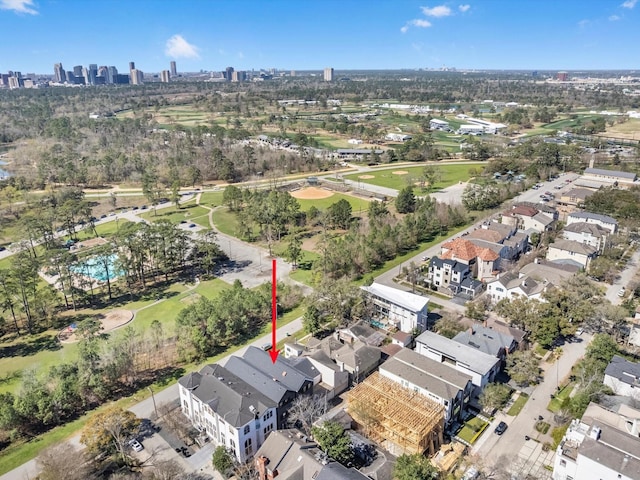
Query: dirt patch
x=311, y=193
x=92, y=242
x=366, y=177
x=400, y=172
x=109, y=322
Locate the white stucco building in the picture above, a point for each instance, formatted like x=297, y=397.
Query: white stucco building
x=406, y=311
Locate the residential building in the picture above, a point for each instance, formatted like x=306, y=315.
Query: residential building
x=545, y=271
x=511, y=285
x=588, y=234
x=604, y=221
x=571, y=252
x=357, y=359
x=328, y=74
x=482, y=367
x=397, y=137
x=623, y=377
x=483, y=262
x=173, y=69
x=446, y=273
x=487, y=340
x=604, y=444
x=165, y=76
x=397, y=308
x=528, y=218
x=437, y=381
x=360, y=332
x=237, y=405
x=289, y=455
x=356, y=153
x=231, y=413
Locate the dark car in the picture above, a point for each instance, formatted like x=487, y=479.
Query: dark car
x=501, y=428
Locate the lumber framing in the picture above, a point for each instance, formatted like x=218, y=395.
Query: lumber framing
x=387, y=411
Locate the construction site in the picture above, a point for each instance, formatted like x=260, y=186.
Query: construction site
x=398, y=419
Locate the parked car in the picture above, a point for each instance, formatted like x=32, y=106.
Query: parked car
x=622, y=291
x=266, y=347
x=500, y=429
x=136, y=445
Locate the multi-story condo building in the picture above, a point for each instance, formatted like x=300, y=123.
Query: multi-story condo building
x=328, y=74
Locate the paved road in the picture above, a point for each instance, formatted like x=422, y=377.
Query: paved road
x=491, y=446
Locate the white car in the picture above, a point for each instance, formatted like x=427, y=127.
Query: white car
x=136, y=445
x=622, y=291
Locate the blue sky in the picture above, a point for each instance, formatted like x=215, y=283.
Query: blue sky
x=313, y=34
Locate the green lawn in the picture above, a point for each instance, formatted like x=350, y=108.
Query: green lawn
x=187, y=213
x=450, y=174
x=211, y=199
x=556, y=402
x=305, y=275
x=518, y=405
x=472, y=429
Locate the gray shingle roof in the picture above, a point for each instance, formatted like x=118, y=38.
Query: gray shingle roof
x=593, y=229
x=485, y=340
x=610, y=173
x=572, y=246
x=269, y=386
x=614, y=449
x=624, y=370
x=435, y=377
x=594, y=216
x=227, y=394
x=281, y=370
x=471, y=358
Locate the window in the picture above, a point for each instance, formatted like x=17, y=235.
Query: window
x=267, y=415
x=247, y=429
x=267, y=429
x=563, y=463
x=248, y=449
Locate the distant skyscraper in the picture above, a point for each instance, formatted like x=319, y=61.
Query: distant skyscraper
x=112, y=75
x=132, y=65
x=92, y=73
x=137, y=77
x=228, y=74
x=562, y=76
x=77, y=70
x=59, y=73
x=293, y=73
x=165, y=75
x=328, y=74
x=238, y=76
x=174, y=70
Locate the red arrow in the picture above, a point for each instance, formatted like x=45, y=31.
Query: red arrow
x=274, y=313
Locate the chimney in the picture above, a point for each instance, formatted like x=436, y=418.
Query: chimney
x=594, y=433
x=261, y=465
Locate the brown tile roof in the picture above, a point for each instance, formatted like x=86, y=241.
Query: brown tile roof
x=521, y=210
x=488, y=235
x=463, y=249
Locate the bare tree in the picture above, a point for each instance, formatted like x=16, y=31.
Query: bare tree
x=54, y=463
x=164, y=470
x=305, y=410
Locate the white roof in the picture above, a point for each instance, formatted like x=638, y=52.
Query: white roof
x=406, y=300
x=439, y=122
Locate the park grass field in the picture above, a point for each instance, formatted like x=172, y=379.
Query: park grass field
x=450, y=174
x=211, y=199
x=188, y=213
x=629, y=129
x=357, y=204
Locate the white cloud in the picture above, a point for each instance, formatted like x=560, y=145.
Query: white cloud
x=439, y=11
x=614, y=18
x=19, y=6
x=464, y=8
x=416, y=22
x=583, y=23
x=629, y=4
x=240, y=55
x=178, y=47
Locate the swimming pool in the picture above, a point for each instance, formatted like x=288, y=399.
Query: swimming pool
x=94, y=268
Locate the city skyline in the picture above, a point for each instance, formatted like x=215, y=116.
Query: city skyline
x=467, y=34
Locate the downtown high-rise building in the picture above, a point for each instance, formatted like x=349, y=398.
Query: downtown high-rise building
x=59, y=73
x=112, y=75
x=136, y=77
x=165, y=75
x=328, y=74
x=228, y=74
x=174, y=69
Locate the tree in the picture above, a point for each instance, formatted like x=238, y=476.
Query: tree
x=294, y=250
x=448, y=325
x=222, y=460
x=109, y=431
x=414, y=467
x=339, y=214
x=406, y=200
x=523, y=368
x=305, y=410
x=494, y=396
x=312, y=320
x=334, y=441
x=62, y=462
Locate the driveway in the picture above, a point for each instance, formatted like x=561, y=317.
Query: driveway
x=512, y=443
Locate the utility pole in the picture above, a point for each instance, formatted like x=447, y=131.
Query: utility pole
x=153, y=398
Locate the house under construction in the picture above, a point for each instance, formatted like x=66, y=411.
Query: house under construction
x=399, y=419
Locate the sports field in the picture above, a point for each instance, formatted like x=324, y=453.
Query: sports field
x=398, y=178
